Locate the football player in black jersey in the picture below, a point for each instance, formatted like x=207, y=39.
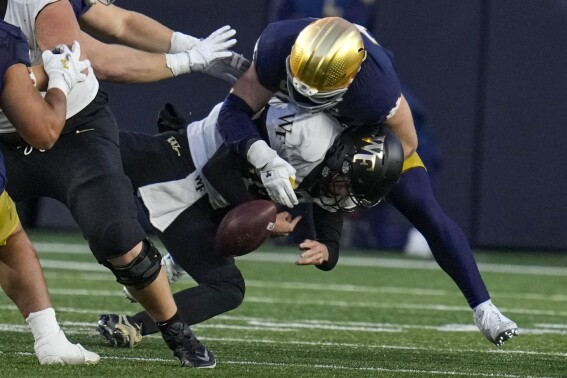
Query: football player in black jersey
x=83, y=169
x=186, y=179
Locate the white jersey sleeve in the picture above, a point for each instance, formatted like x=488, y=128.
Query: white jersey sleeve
x=204, y=140
x=301, y=139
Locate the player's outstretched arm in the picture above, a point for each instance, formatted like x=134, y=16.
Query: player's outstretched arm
x=204, y=53
x=241, y=136
x=122, y=64
x=129, y=28
x=133, y=29
x=328, y=230
x=402, y=125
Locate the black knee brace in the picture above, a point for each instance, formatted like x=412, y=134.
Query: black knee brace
x=142, y=271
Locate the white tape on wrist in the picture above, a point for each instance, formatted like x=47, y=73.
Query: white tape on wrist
x=178, y=63
x=60, y=83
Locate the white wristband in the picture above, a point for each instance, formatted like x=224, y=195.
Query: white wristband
x=178, y=63
x=58, y=82
x=259, y=154
x=181, y=42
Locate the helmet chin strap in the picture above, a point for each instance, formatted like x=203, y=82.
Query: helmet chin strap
x=312, y=108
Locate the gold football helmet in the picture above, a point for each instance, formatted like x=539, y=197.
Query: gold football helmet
x=324, y=60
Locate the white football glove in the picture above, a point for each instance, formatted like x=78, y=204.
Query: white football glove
x=63, y=67
x=181, y=42
x=203, y=53
x=228, y=69
x=278, y=176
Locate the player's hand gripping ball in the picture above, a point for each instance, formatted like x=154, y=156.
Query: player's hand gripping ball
x=245, y=228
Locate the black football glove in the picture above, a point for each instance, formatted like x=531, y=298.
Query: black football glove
x=170, y=120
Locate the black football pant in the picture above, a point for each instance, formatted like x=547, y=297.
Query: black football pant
x=83, y=170
x=189, y=239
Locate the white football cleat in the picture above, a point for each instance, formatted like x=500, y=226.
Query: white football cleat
x=57, y=350
x=174, y=273
x=496, y=327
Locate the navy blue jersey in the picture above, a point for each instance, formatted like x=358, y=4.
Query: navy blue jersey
x=79, y=7
x=369, y=99
x=14, y=49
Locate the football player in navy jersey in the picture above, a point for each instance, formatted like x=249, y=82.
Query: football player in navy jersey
x=330, y=64
x=39, y=121
x=186, y=179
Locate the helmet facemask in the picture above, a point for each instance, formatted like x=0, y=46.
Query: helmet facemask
x=335, y=190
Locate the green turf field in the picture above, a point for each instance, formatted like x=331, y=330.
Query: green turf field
x=378, y=314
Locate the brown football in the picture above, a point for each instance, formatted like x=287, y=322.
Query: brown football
x=245, y=228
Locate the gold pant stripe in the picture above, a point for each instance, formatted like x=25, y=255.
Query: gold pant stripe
x=414, y=161
x=9, y=220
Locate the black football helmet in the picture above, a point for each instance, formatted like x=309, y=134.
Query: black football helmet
x=362, y=165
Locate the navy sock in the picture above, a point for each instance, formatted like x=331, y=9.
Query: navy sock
x=413, y=197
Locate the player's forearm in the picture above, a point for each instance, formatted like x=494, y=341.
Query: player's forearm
x=328, y=231
x=247, y=97
x=235, y=125
x=126, y=65
x=145, y=34
x=53, y=125
x=40, y=77
x=39, y=122
x=402, y=125
x=126, y=27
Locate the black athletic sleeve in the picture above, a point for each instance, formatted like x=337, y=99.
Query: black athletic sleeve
x=328, y=230
x=224, y=171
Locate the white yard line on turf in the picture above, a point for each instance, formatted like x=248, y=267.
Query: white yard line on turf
x=322, y=367
x=74, y=328
x=276, y=257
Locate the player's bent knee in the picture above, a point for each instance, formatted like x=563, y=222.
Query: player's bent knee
x=236, y=289
x=119, y=234
x=142, y=271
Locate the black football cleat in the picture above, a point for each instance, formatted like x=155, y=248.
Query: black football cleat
x=187, y=348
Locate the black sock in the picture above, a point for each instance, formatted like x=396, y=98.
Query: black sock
x=164, y=325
